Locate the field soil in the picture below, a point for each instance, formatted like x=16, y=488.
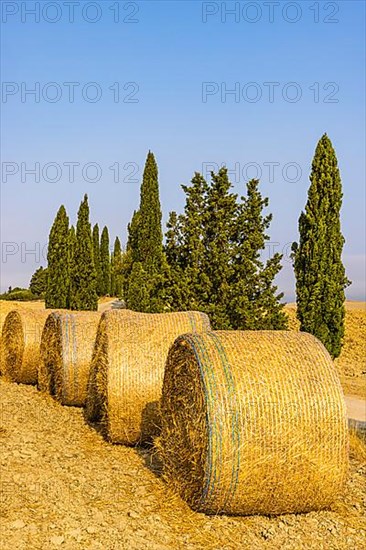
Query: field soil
x=63, y=486
x=351, y=364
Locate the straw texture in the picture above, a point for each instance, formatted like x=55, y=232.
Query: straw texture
x=21, y=338
x=253, y=423
x=66, y=350
x=128, y=368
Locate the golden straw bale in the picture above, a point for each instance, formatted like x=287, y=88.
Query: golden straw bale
x=127, y=370
x=66, y=349
x=253, y=423
x=21, y=338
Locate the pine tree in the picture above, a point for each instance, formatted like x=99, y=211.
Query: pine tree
x=145, y=243
x=254, y=302
x=83, y=281
x=96, y=256
x=188, y=285
x=219, y=230
x=214, y=250
x=116, y=269
x=58, y=279
x=105, y=263
x=38, y=282
x=320, y=274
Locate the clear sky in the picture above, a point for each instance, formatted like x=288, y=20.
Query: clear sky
x=115, y=79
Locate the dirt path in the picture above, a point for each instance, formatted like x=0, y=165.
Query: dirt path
x=63, y=486
x=105, y=306
x=356, y=408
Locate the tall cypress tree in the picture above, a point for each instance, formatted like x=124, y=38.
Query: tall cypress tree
x=146, y=242
x=320, y=274
x=105, y=263
x=150, y=234
x=58, y=278
x=96, y=256
x=83, y=280
x=71, y=253
x=116, y=269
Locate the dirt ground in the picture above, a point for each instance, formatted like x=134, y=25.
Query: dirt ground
x=63, y=486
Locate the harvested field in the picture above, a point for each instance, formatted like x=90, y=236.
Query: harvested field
x=351, y=364
x=64, y=486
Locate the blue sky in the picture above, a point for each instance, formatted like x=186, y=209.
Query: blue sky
x=174, y=64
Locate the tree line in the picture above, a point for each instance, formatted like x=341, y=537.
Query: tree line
x=80, y=268
x=212, y=256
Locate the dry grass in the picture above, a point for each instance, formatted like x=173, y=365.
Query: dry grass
x=253, y=423
x=21, y=338
x=66, y=349
x=128, y=367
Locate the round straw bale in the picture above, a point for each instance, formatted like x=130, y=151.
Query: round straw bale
x=21, y=338
x=66, y=351
x=253, y=423
x=127, y=370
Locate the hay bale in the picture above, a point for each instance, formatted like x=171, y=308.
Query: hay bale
x=21, y=338
x=66, y=350
x=127, y=370
x=253, y=423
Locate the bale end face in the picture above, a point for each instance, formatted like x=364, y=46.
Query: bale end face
x=21, y=338
x=66, y=348
x=128, y=368
x=253, y=423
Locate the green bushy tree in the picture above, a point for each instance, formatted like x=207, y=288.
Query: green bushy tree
x=214, y=256
x=38, y=282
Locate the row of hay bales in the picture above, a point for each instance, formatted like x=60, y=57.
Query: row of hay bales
x=245, y=422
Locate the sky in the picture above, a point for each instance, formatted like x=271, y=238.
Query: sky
x=88, y=88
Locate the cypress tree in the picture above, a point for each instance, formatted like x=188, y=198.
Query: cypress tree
x=58, y=279
x=319, y=271
x=105, y=263
x=96, y=256
x=138, y=297
x=83, y=280
x=116, y=269
x=71, y=253
x=145, y=243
